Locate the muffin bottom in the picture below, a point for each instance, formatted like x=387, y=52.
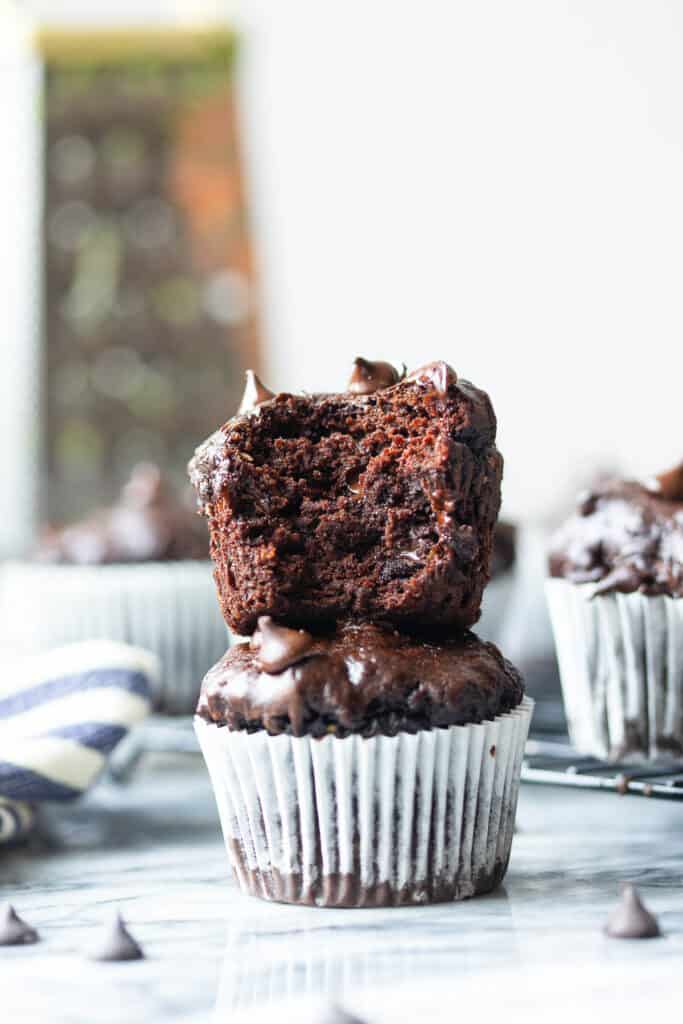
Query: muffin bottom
x=385, y=821
x=348, y=891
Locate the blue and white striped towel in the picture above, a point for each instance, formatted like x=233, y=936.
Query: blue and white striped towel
x=61, y=715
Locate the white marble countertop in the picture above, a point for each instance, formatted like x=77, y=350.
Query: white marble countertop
x=152, y=848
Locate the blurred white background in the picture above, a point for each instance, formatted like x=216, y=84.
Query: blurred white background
x=495, y=183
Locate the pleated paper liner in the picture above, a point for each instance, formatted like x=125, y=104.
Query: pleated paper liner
x=621, y=666
x=169, y=608
x=356, y=822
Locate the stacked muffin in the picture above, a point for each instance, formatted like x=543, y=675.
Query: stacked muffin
x=364, y=747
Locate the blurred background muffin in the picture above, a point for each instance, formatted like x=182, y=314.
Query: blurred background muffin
x=616, y=569
x=136, y=572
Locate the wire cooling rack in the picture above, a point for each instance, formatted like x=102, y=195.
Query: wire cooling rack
x=549, y=758
x=556, y=763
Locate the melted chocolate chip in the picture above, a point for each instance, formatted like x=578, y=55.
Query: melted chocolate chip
x=439, y=374
x=668, y=485
x=631, y=919
x=255, y=394
x=277, y=647
x=14, y=931
x=117, y=944
x=368, y=377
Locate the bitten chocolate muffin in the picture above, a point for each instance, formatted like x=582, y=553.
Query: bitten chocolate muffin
x=375, y=504
x=626, y=536
x=148, y=523
x=358, y=679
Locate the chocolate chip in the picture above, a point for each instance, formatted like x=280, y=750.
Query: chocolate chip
x=279, y=647
x=255, y=394
x=14, y=931
x=368, y=377
x=668, y=485
x=631, y=919
x=117, y=944
x=439, y=374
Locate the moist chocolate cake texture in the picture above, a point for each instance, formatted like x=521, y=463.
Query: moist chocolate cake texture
x=357, y=679
x=627, y=536
x=377, y=504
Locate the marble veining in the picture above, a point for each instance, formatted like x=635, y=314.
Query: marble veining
x=152, y=847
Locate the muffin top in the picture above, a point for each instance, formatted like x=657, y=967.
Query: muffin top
x=358, y=679
x=376, y=503
x=626, y=536
x=148, y=523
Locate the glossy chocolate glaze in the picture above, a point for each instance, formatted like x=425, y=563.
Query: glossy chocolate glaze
x=148, y=523
x=362, y=679
x=625, y=537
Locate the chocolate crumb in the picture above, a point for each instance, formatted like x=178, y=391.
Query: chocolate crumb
x=13, y=930
x=631, y=919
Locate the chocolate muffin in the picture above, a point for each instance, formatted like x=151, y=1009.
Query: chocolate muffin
x=148, y=523
x=627, y=536
x=378, y=503
x=137, y=572
x=359, y=679
x=362, y=767
x=615, y=593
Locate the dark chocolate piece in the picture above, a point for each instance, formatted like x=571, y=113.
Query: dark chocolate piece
x=368, y=377
x=365, y=680
x=438, y=374
x=371, y=507
x=631, y=919
x=277, y=647
x=13, y=930
x=148, y=523
x=335, y=1014
x=624, y=538
x=116, y=944
x=668, y=485
x=255, y=394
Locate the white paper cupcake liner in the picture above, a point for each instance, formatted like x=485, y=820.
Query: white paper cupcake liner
x=369, y=822
x=621, y=665
x=167, y=607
